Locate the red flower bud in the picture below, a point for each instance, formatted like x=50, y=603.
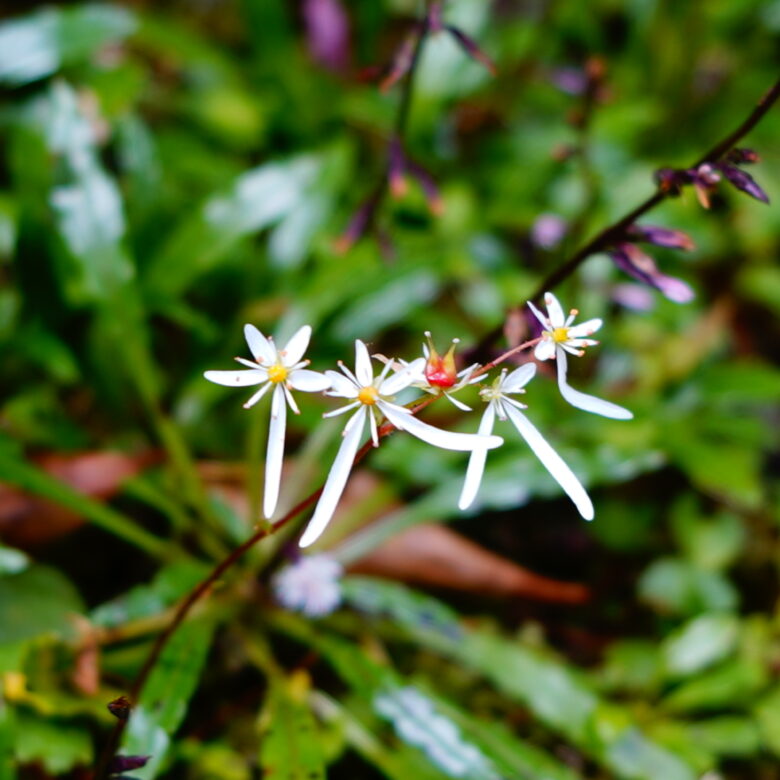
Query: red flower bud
x=441, y=371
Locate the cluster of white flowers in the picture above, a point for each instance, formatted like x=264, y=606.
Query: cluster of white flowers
x=370, y=398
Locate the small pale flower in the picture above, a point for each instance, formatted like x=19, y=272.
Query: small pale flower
x=310, y=585
x=371, y=397
x=500, y=405
x=561, y=336
x=284, y=370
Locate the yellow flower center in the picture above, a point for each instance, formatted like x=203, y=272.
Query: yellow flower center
x=559, y=334
x=368, y=395
x=277, y=373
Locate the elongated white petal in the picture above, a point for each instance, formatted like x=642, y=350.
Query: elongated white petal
x=588, y=403
x=275, y=452
x=237, y=378
x=455, y=402
x=585, y=328
x=257, y=396
x=400, y=380
x=290, y=400
x=337, y=479
x=363, y=370
x=309, y=381
x=544, y=350
x=259, y=346
x=447, y=440
x=253, y=364
x=476, y=467
x=374, y=429
x=519, y=378
x=552, y=461
x=340, y=386
x=554, y=310
x=539, y=316
x=296, y=346
x=342, y=409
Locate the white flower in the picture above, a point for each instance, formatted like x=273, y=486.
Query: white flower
x=500, y=405
x=372, y=396
x=311, y=585
x=285, y=371
x=558, y=338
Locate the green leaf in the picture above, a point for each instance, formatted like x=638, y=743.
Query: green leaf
x=727, y=735
x=58, y=745
x=290, y=748
x=38, y=45
x=170, y=584
x=732, y=683
x=259, y=198
x=397, y=763
x=404, y=605
x=709, y=543
x=700, y=643
x=676, y=586
x=417, y=722
x=39, y=601
x=767, y=713
x=558, y=697
x=165, y=697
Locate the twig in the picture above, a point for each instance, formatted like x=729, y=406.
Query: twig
x=616, y=230
x=600, y=241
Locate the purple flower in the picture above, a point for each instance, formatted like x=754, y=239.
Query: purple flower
x=548, y=230
x=743, y=181
x=121, y=764
x=327, y=33
x=631, y=259
x=661, y=236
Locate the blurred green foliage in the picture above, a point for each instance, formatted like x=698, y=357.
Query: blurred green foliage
x=169, y=172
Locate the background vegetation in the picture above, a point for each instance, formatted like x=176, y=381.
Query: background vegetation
x=169, y=172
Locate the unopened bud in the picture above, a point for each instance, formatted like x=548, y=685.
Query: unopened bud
x=441, y=371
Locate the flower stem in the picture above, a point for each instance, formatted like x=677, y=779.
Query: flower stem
x=616, y=230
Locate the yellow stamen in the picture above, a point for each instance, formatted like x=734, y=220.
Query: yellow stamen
x=277, y=373
x=560, y=334
x=368, y=395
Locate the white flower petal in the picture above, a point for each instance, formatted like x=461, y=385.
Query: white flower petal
x=545, y=350
x=539, y=316
x=455, y=402
x=342, y=410
x=373, y=426
x=296, y=346
x=476, y=466
x=363, y=370
x=237, y=378
x=340, y=386
x=275, y=452
x=258, y=395
x=588, y=403
x=309, y=381
x=260, y=346
x=447, y=440
x=585, y=329
x=552, y=461
x=554, y=310
x=400, y=380
x=519, y=378
x=337, y=479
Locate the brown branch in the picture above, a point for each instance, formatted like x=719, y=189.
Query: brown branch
x=616, y=231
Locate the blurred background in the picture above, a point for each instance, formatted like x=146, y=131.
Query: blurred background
x=171, y=171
